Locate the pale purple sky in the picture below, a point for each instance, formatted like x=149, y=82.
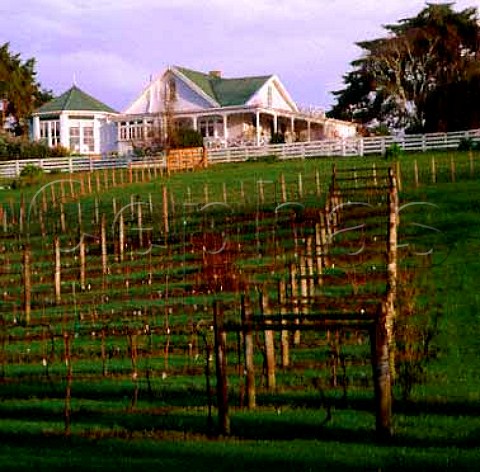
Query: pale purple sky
x=112, y=47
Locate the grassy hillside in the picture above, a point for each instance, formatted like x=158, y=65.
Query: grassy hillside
x=437, y=428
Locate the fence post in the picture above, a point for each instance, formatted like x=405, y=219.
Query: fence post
x=269, y=341
x=360, y=147
x=57, y=275
x=248, y=345
x=284, y=334
x=221, y=364
x=27, y=283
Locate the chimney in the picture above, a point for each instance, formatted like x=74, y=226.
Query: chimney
x=215, y=73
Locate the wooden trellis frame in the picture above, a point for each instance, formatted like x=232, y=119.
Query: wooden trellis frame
x=186, y=159
x=283, y=317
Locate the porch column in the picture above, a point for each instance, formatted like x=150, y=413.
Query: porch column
x=96, y=135
x=64, y=131
x=36, y=128
x=275, y=123
x=309, y=130
x=292, y=124
x=225, y=128
x=195, y=123
x=257, y=127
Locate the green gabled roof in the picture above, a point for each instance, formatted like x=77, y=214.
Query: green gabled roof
x=74, y=99
x=227, y=92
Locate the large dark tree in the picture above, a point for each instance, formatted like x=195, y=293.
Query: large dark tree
x=19, y=89
x=404, y=80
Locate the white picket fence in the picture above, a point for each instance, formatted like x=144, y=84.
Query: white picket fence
x=347, y=147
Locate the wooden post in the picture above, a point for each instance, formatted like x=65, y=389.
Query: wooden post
x=317, y=183
x=300, y=185
x=132, y=341
x=140, y=223
x=224, y=188
x=27, y=283
x=248, y=345
x=68, y=384
x=283, y=188
x=165, y=212
x=82, y=184
x=79, y=212
x=415, y=171
x=72, y=188
x=103, y=242
x=269, y=346
x=381, y=375
x=452, y=168
x=284, y=334
x=221, y=368
x=21, y=215
x=205, y=193
x=295, y=301
x=399, y=176
x=96, y=210
x=63, y=225
x=57, y=275
x=89, y=182
x=320, y=245
x=434, y=175
x=309, y=267
x=121, y=236
x=82, y=262
x=261, y=193
x=392, y=269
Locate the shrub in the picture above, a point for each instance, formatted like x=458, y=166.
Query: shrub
x=29, y=175
x=394, y=151
x=277, y=138
x=20, y=148
x=187, y=137
x=59, y=151
x=468, y=144
x=32, y=171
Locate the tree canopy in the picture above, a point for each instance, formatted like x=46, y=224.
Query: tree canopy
x=424, y=75
x=19, y=89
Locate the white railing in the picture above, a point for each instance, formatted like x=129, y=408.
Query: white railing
x=12, y=169
x=347, y=147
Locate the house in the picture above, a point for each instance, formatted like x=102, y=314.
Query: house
x=226, y=111
x=77, y=121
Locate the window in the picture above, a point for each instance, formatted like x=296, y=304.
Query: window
x=211, y=127
x=270, y=96
x=55, y=133
x=44, y=130
x=50, y=132
x=88, y=139
x=75, y=138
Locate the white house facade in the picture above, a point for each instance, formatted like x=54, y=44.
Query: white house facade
x=246, y=111
x=78, y=122
x=227, y=112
